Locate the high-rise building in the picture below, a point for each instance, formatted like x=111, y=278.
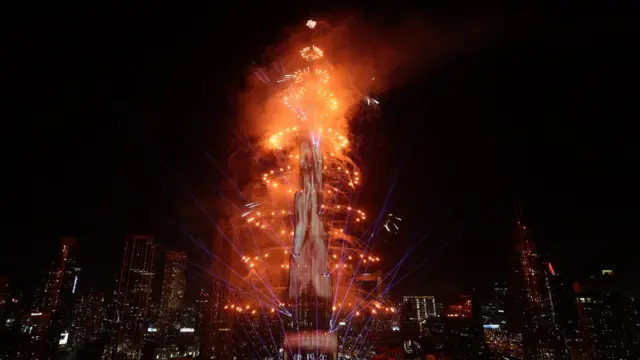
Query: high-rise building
x=59, y=298
x=501, y=293
x=173, y=286
x=132, y=298
x=541, y=335
x=608, y=320
x=500, y=340
x=216, y=340
x=494, y=309
x=56, y=277
x=202, y=310
x=10, y=313
x=416, y=311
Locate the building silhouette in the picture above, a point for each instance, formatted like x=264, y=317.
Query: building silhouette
x=132, y=298
x=607, y=318
x=173, y=287
x=58, y=301
x=416, y=312
x=217, y=342
x=541, y=335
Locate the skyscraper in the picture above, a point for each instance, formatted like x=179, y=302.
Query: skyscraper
x=59, y=297
x=501, y=292
x=58, y=278
x=217, y=337
x=540, y=333
x=310, y=280
x=132, y=297
x=608, y=319
x=173, y=286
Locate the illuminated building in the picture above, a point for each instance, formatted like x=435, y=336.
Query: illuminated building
x=463, y=331
x=416, y=311
x=56, y=277
x=58, y=298
x=500, y=339
x=202, y=310
x=608, y=319
x=462, y=308
x=541, y=335
x=132, y=297
x=93, y=314
x=501, y=293
x=173, y=286
x=182, y=340
x=10, y=314
x=439, y=309
x=88, y=320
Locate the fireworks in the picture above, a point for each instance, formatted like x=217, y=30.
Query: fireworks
x=311, y=53
x=311, y=24
x=267, y=224
x=392, y=224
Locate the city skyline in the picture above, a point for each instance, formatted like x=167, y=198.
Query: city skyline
x=541, y=315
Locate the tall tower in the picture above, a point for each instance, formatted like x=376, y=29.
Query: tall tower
x=541, y=335
x=310, y=284
x=173, y=285
x=134, y=291
x=56, y=277
x=60, y=295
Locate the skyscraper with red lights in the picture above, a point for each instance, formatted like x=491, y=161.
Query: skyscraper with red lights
x=56, y=277
x=541, y=336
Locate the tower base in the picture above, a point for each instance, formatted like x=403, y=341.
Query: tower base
x=311, y=345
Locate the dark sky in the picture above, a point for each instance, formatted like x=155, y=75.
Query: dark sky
x=118, y=113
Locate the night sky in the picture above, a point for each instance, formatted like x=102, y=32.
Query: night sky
x=120, y=113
